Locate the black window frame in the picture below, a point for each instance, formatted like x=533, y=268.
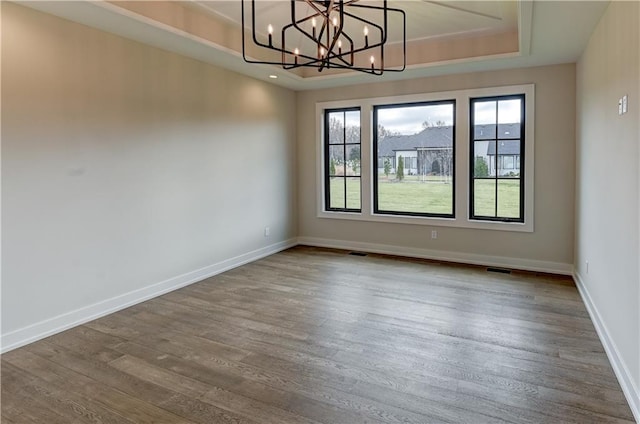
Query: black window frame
x=374, y=171
x=472, y=155
x=327, y=161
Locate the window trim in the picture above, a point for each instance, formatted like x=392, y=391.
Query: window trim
x=461, y=194
x=326, y=163
x=374, y=148
x=498, y=158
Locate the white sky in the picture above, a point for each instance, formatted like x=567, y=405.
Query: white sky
x=408, y=120
x=508, y=112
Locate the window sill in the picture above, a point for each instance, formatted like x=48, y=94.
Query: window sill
x=429, y=221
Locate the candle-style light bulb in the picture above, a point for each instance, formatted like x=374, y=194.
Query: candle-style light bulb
x=335, y=26
x=296, y=52
x=366, y=30
x=340, y=47
x=373, y=59
x=313, y=23
x=366, y=36
x=270, y=31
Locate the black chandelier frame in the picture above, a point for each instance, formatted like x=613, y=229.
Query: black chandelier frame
x=330, y=52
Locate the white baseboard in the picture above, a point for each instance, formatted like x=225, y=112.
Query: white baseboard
x=80, y=316
x=621, y=370
x=88, y=313
x=467, y=258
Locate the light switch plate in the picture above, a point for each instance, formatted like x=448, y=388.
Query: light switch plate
x=619, y=106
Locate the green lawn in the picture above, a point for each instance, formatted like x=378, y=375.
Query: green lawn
x=508, y=198
x=415, y=196
x=431, y=196
x=353, y=192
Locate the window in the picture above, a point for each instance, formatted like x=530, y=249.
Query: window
x=342, y=160
x=420, y=137
x=497, y=144
x=452, y=159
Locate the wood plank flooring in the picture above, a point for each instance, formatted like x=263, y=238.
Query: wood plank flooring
x=319, y=336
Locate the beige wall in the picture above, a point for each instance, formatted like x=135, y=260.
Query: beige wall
x=124, y=166
x=552, y=240
x=607, y=212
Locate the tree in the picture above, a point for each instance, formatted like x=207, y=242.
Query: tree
x=355, y=165
x=384, y=133
x=336, y=131
x=400, y=169
x=352, y=134
x=354, y=153
x=480, y=168
x=354, y=157
x=387, y=167
x=429, y=124
x=332, y=167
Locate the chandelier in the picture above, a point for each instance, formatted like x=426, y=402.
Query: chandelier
x=324, y=34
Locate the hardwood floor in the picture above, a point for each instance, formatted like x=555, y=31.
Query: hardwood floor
x=319, y=336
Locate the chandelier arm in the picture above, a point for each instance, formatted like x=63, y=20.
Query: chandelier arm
x=253, y=25
x=244, y=53
x=312, y=4
x=386, y=9
x=295, y=22
x=306, y=34
x=338, y=30
x=301, y=30
x=327, y=39
x=366, y=21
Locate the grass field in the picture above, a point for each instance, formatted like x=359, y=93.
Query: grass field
x=353, y=192
x=431, y=196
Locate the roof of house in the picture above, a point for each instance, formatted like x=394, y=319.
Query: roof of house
x=487, y=132
x=506, y=147
x=441, y=137
x=429, y=138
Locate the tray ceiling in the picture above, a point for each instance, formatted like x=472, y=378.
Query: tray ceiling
x=442, y=36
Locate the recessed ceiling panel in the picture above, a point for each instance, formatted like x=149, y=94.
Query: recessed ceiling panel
x=425, y=19
x=444, y=36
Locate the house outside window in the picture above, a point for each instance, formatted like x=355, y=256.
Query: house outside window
x=497, y=136
x=483, y=185
x=420, y=180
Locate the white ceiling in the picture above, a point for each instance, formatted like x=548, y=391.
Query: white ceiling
x=550, y=32
x=425, y=18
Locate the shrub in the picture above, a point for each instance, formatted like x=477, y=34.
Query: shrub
x=400, y=169
x=480, y=167
x=387, y=167
x=355, y=165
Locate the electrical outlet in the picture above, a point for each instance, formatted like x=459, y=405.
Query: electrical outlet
x=267, y=231
x=434, y=234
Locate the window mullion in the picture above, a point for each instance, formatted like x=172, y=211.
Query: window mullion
x=512, y=198
x=344, y=158
x=497, y=162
